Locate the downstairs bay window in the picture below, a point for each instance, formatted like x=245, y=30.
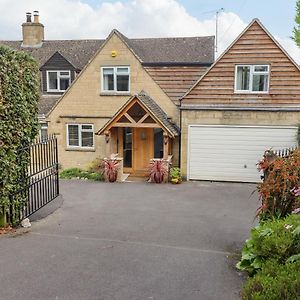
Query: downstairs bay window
x=252, y=78
x=80, y=136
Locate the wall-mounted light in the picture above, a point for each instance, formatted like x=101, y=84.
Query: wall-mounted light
x=114, y=53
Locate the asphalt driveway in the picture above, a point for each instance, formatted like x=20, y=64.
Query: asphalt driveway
x=132, y=241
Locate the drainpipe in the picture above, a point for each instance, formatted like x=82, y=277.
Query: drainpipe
x=180, y=123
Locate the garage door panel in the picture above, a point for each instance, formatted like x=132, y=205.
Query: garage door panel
x=231, y=153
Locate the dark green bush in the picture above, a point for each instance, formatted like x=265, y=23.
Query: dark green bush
x=278, y=240
x=81, y=174
x=274, y=282
x=19, y=94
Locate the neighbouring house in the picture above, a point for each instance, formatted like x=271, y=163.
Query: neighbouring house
x=166, y=97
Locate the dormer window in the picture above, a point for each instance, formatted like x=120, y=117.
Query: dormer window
x=252, y=78
x=58, y=81
x=115, y=79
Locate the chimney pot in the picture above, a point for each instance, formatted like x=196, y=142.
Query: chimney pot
x=36, y=16
x=28, y=17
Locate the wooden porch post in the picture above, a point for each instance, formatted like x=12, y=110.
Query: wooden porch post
x=108, y=143
x=166, y=145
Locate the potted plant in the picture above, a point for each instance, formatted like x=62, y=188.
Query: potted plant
x=110, y=169
x=158, y=170
x=175, y=176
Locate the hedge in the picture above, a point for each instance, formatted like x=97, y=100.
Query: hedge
x=19, y=94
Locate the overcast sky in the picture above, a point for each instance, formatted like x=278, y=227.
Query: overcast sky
x=75, y=19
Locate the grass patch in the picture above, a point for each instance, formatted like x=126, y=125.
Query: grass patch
x=77, y=173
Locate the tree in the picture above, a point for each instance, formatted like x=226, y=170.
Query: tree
x=19, y=94
x=296, y=31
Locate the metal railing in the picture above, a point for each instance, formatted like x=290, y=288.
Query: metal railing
x=40, y=184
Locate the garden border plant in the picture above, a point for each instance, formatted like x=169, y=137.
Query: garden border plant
x=19, y=95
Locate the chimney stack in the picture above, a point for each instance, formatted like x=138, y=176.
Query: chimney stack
x=33, y=32
x=36, y=17
x=28, y=17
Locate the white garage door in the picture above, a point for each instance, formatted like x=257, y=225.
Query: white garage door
x=230, y=153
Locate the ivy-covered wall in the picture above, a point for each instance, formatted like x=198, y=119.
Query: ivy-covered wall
x=19, y=94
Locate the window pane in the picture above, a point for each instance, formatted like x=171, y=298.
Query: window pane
x=64, y=83
x=127, y=147
x=158, y=143
x=108, y=79
x=44, y=132
x=123, y=71
x=260, y=83
x=64, y=74
x=261, y=69
x=73, y=135
x=87, y=139
x=87, y=127
x=52, y=80
x=243, y=78
x=123, y=83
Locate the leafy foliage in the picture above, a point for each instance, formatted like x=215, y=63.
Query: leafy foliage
x=296, y=31
x=158, y=170
x=19, y=94
x=73, y=173
x=277, y=239
x=110, y=169
x=282, y=175
x=175, y=175
x=274, y=282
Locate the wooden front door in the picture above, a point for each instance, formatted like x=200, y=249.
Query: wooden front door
x=143, y=149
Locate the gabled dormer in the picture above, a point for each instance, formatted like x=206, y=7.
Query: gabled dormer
x=57, y=74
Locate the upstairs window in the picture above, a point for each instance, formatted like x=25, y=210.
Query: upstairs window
x=80, y=135
x=252, y=78
x=115, y=79
x=58, y=81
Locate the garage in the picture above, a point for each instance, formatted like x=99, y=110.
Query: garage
x=230, y=153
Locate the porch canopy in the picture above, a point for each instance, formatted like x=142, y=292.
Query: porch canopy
x=140, y=111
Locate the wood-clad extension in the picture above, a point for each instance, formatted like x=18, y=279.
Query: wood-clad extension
x=176, y=80
x=254, y=46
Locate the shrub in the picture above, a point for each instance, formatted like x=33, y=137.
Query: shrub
x=19, y=94
x=274, y=282
x=277, y=239
x=82, y=174
x=158, y=170
x=110, y=169
x=282, y=175
x=175, y=175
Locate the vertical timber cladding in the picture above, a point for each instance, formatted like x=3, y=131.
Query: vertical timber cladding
x=231, y=153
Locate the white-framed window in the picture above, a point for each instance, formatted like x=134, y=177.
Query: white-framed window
x=43, y=131
x=115, y=79
x=80, y=136
x=252, y=78
x=58, y=81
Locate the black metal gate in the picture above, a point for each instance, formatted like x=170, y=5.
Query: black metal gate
x=41, y=183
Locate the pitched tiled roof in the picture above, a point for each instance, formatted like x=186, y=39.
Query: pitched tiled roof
x=186, y=50
x=46, y=102
x=77, y=52
x=153, y=108
x=157, y=112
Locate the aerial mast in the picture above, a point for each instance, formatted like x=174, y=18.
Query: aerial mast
x=217, y=20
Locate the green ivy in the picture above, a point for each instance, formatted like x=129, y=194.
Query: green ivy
x=19, y=94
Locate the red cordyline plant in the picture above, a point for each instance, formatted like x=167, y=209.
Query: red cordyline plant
x=277, y=191
x=158, y=170
x=110, y=169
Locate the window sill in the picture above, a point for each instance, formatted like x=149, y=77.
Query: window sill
x=81, y=149
x=251, y=93
x=115, y=94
